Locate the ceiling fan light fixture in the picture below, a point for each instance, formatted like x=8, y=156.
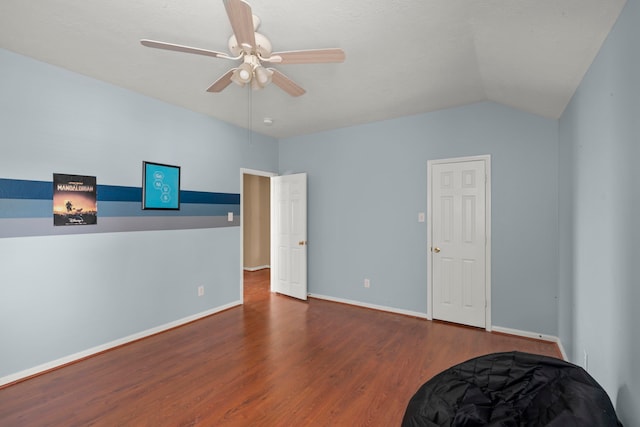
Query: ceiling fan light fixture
x=262, y=75
x=242, y=75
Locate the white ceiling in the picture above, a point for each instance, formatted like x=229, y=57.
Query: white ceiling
x=404, y=57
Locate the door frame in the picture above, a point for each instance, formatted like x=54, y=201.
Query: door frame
x=244, y=171
x=487, y=161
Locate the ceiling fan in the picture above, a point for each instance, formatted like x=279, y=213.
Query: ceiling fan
x=253, y=49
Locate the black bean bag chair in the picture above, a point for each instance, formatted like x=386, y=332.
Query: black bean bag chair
x=511, y=389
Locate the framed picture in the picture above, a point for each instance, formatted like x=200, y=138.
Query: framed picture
x=160, y=186
x=74, y=200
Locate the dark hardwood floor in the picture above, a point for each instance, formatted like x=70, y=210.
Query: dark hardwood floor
x=273, y=362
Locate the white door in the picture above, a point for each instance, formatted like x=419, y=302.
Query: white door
x=289, y=235
x=458, y=241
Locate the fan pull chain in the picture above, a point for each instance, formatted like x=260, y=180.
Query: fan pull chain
x=250, y=103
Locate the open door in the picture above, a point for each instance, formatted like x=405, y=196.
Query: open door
x=289, y=235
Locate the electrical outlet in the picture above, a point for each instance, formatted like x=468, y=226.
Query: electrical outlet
x=200, y=291
x=367, y=283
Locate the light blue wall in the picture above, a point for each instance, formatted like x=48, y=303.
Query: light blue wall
x=574, y=179
x=599, y=211
x=368, y=183
x=60, y=295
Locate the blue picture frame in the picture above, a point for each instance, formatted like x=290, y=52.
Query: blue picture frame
x=160, y=186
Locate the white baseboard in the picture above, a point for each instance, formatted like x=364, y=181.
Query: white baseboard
x=99, y=349
x=508, y=331
x=534, y=335
x=372, y=306
x=260, y=267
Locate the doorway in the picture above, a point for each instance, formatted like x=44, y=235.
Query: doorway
x=255, y=234
x=459, y=230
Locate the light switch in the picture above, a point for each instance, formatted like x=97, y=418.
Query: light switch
x=230, y=216
x=420, y=216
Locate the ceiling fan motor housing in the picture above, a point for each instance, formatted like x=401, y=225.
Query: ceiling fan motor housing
x=262, y=48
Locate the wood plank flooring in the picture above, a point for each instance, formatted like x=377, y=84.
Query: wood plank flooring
x=273, y=362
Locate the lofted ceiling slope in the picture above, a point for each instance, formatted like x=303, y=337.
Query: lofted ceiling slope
x=404, y=57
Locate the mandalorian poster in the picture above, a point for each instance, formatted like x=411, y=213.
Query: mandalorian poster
x=74, y=200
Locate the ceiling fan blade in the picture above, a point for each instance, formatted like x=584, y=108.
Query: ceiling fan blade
x=285, y=83
x=222, y=82
x=181, y=48
x=311, y=56
x=241, y=19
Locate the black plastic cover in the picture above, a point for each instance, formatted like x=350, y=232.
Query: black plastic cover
x=511, y=389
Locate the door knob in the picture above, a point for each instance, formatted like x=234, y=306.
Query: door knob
x=302, y=243
x=436, y=250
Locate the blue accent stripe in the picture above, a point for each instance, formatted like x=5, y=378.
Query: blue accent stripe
x=209, y=198
x=43, y=190
x=26, y=210
x=21, y=208
x=116, y=193
x=23, y=189
x=131, y=209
